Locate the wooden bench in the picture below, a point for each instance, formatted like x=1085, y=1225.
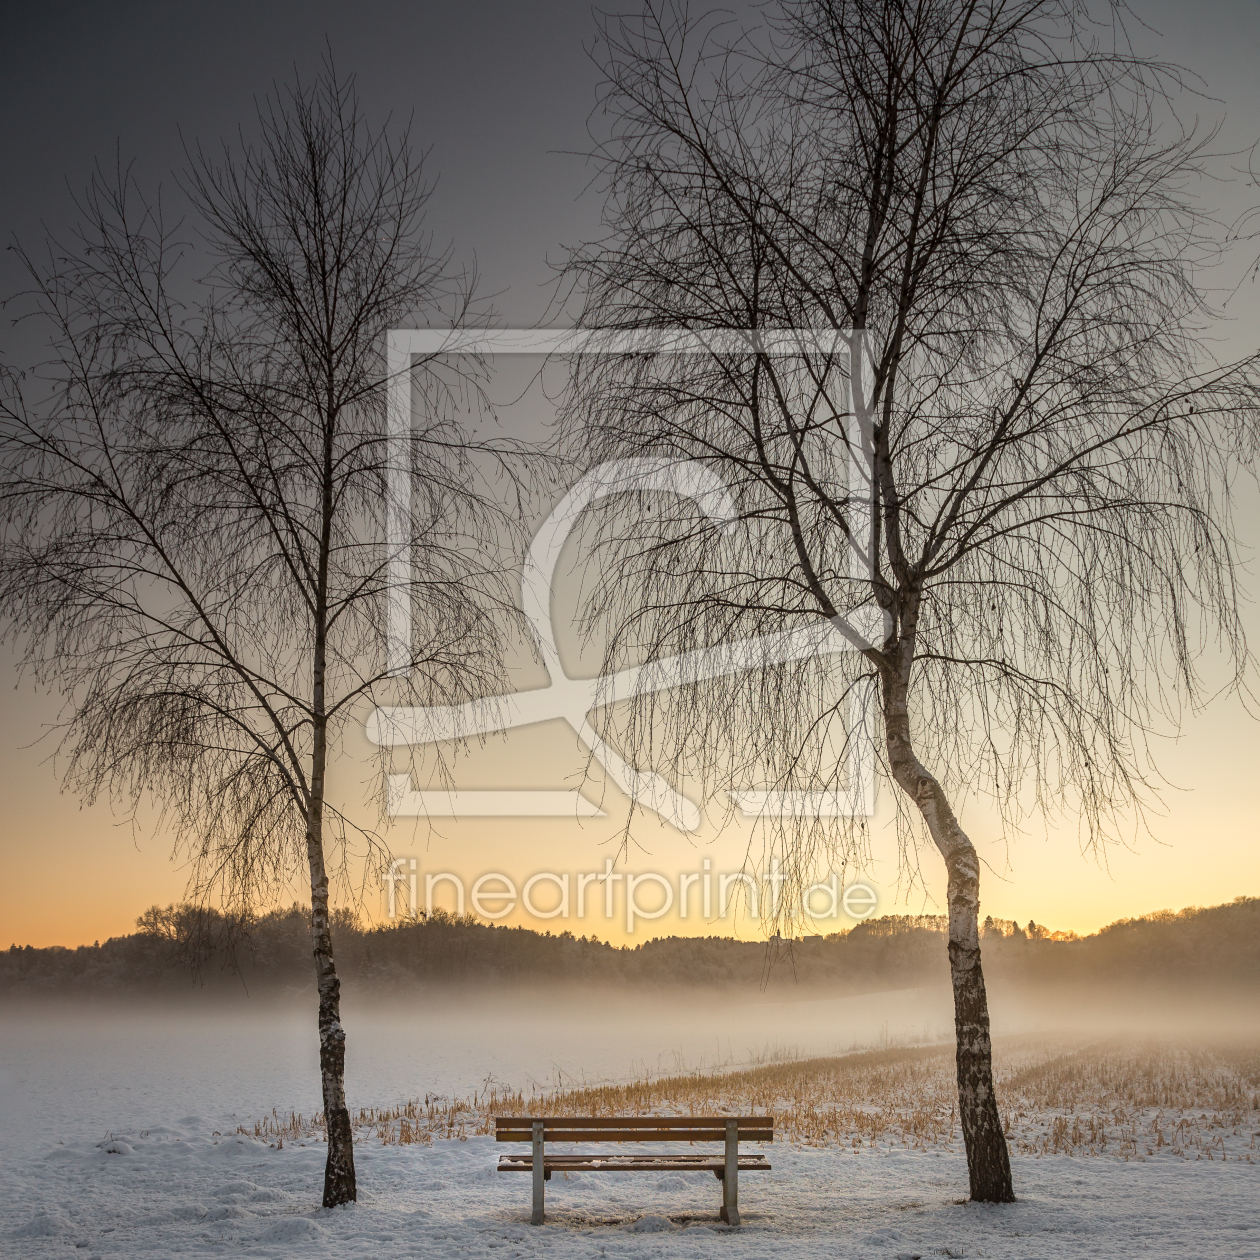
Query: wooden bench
x=731, y=1130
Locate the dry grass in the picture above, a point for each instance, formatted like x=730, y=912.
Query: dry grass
x=1101, y=1098
x=1184, y=1100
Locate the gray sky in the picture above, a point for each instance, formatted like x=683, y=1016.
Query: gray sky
x=501, y=91
x=497, y=89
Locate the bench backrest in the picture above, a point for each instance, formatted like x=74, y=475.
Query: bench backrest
x=632, y=1128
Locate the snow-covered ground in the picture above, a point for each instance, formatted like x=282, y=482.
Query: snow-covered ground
x=108, y=1147
x=175, y=1192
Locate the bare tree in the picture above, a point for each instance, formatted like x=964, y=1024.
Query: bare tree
x=1003, y=431
x=194, y=504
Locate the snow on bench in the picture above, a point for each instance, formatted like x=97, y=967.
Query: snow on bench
x=732, y=1130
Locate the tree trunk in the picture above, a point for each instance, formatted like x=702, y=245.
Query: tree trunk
x=339, y=1180
x=988, y=1161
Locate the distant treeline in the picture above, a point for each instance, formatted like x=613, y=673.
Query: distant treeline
x=183, y=945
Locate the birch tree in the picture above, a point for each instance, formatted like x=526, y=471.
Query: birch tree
x=1003, y=429
x=194, y=497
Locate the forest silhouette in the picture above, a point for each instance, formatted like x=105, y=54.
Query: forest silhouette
x=179, y=947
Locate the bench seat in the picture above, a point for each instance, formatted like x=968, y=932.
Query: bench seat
x=541, y=1162
x=715, y=1164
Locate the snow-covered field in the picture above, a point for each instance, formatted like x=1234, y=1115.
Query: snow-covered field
x=176, y=1193
x=117, y=1139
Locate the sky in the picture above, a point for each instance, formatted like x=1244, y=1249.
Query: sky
x=500, y=94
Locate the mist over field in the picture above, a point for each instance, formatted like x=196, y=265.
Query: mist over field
x=123, y=1060
x=441, y=1006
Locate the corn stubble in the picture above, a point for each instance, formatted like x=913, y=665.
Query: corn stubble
x=1069, y=1098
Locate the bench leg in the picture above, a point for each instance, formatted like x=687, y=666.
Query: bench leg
x=539, y=1174
x=730, y=1175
